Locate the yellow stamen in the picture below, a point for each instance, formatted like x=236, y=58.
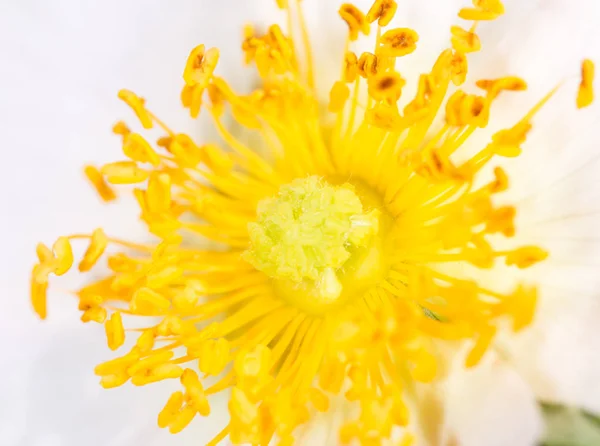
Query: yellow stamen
x=102, y=188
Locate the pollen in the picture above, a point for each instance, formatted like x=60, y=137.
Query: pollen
x=307, y=258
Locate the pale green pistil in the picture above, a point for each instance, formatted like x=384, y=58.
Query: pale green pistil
x=308, y=232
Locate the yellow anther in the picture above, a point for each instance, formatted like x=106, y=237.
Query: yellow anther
x=117, y=365
x=214, y=356
x=384, y=116
x=585, y=95
x=159, y=277
x=122, y=263
x=96, y=248
x=200, y=66
x=526, y=256
x=195, y=396
x=218, y=92
x=522, y=304
x=88, y=300
x=97, y=179
x=253, y=363
x=216, y=159
x=64, y=255
x=142, y=366
x=458, y=68
x=115, y=333
x=508, y=142
x=147, y=301
x=383, y=11
x=182, y=419
x=124, y=172
x=156, y=373
x=191, y=97
x=338, y=96
x=188, y=298
x=145, y=342
x=437, y=166
x=425, y=89
x=38, y=294
x=350, y=67
x=252, y=368
x=137, y=104
x=467, y=109
x=481, y=346
x=483, y=10
x=48, y=263
x=43, y=270
x=368, y=65
x=113, y=380
x=243, y=413
x=44, y=254
x=398, y=42
x=96, y=314
x=171, y=325
x=279, y=41
x=138, y=149
x=495, y=86
x=171, y=409
x=166, y=371
x=386, y=86
x=249, y=41
x=356, y=20
x=464, y=41
x=332, y=376
x=500, y=182
x=158, y=193
x=185, y=151
x=502, y=220
x=120, y=128
x=441, y=67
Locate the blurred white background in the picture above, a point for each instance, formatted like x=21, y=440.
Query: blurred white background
x=61, y=64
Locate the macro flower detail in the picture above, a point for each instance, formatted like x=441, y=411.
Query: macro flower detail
x=322, y=260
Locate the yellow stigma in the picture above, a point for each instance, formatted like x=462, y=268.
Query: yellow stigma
x=309, y=233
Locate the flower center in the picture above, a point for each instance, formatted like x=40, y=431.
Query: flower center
x=317, y=242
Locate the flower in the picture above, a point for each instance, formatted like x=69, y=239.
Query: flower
x=329, y=268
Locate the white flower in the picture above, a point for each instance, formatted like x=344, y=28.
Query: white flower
x=59, y=75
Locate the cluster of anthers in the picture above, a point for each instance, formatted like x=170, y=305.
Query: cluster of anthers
x=326, y=272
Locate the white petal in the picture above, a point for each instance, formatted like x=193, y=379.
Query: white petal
x=492, y=405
